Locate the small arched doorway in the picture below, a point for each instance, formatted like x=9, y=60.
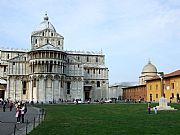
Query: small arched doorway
x=177, y=97
x=150, y=97
x=87, y=90
x=2, y=92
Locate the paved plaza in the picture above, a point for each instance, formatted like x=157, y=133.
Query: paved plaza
x=8, y=120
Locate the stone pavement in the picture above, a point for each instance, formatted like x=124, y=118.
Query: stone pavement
x=8, y=121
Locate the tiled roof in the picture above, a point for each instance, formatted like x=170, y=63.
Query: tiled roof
x=175, y=73
x=135, y=86
x=172, y=74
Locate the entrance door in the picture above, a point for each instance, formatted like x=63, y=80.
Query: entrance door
x=2, y=94
x=150, y=97
x=177, y=97
x=87, y=95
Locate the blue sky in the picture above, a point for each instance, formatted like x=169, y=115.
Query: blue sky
x=130, y=32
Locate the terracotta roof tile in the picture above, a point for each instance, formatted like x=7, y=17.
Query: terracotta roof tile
x=175, y=73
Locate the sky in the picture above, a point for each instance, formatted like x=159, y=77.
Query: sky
x=130, y=32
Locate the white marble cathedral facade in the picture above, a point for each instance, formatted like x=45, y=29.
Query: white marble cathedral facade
x=48, y=73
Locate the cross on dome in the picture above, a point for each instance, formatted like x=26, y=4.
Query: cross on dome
x=149, y=61
x=45, y=24
x=46, y=17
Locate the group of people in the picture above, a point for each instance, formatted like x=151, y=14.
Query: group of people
x=149, y=108
x=21, y=110
x=5, y=103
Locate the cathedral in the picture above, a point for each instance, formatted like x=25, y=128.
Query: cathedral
x=47, y=73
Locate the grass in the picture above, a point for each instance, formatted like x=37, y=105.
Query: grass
x=108, y=119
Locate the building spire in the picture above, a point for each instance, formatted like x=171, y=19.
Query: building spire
x=46, y=18
x=149, y=61
x=101, y=51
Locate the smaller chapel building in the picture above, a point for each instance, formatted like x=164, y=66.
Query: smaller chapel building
x=139, y=92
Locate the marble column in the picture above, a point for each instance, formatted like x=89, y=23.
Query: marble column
x=15, y=89
x=8, y=88
x=59, y=88
x=44, y=85
x=52, y=81
x=37, y=89
x=21, y=89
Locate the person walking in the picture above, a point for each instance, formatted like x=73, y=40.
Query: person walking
x=4, y=106
x=149, y=107
x=10, y=105
x=22, y=112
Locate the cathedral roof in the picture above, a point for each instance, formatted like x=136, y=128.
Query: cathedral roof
x=94, y=66
x=45, y=25
x=84, y=52
x=48, y=47
x=149, y=68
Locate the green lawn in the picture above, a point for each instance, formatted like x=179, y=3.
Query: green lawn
x=108, y=119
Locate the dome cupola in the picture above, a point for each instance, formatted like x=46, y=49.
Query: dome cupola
x=46, y=34
x=148, y=72
x=149, y=68
x=45, y=24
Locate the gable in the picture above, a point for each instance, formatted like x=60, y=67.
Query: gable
x=48, y=47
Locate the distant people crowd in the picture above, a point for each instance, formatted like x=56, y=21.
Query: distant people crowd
x=20, y=109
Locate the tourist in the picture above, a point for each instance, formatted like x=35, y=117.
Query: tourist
x=149, y=107
x=18, y=113
x=4, y=106
x=15, y=104
x=10, y=105
x=155, y=110
x=23, y=111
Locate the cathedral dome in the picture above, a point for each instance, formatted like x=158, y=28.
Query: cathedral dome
x=45, y=24
x=149, y=68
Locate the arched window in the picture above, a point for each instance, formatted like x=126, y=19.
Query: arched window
x=68, y=87
x=96, y=59
x=52, y=34
x=177, y=96
x=24, y=87
x=59, y=42
x=150, y=96
x=62, y=83
x=7, y=56
x=34, y=83
x=98, y=83
x=35, y=41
